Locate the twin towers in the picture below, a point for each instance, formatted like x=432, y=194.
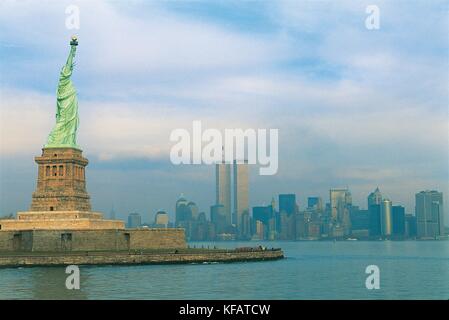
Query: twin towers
x=238, y=214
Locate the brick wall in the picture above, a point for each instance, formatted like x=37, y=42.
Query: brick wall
x=91, y=240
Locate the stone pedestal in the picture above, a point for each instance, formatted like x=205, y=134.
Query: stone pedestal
x=61, y=201
x=60, y=220
x=61, y=181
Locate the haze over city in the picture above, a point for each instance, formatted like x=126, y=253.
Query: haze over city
x=360, y=115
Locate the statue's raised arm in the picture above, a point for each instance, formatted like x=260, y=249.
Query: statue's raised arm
x=64, y=133
x=66, y=71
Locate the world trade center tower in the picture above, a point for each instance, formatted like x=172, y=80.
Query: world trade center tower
x=223, y=188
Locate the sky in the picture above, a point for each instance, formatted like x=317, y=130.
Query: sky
x=354, y=107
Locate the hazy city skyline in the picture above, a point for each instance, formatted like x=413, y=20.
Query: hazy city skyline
x=361, y=115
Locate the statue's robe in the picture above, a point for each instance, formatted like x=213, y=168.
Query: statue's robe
x=64, y=132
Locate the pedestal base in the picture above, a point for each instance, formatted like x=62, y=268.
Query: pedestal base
x=60, y=220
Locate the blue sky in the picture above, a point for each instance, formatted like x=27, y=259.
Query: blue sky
x=354, y=107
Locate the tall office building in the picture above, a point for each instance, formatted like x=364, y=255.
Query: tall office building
x=375, y=213
x=399, y=229
x=264, y=215
x=181, y=210
x=315, y=203
x=375, y=229
x=410, y=226
x=288, y=209
x=287, y=204
x=429, y=214
x=219, y=218
x=359, y=218
x=193, y=211
x=241, y=201
x=340, y=202
x=223, y=188
x=134, y=220
x=386, y=218
x=375, y=197
x=161, y=219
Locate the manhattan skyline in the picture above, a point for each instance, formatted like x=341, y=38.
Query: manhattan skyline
x=357, y=116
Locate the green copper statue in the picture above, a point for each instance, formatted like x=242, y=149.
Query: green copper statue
x=63, y=134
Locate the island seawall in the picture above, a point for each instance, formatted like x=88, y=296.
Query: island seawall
x=181, y=256
x=125, y=247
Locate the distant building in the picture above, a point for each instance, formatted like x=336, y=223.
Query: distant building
x=241, y=189
x=134, y=220
x=245, y=226
x=223, y=189
x=340, y=203
x=386, y=218
x=202, y=229
x=287, y=204
x=374, y=220
x=359, y=218
x=288, y=209
x=375, y=197
x=161, y=219
x=339, y=200
x=219, y=218
x=182, y=211
x=374, y=213
x=313, y=230
x=410, y=226
x=315, y=203
x=300, y=227
x=429, y=214
x=192, y=211
x=399, y=221
x=259, y=230
x=186, y=213
x=265, y=215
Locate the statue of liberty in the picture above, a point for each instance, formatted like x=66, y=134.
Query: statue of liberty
x=63, y=134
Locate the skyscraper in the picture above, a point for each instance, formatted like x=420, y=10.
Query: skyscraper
x=315, y=203
x=241, y=201
x=263, y=214
x=288, y=209
x=134, y=220
x=161, y=219
x=340, y=205
x=181, y=210
x=359, y=218
x=287, y=204
x=193, y=211
x=375, y=197
x=386, y=218
x=399, y=221
x=223, y=188
x=375, y=213
x=340, y=200
x=429, y=214
x=218, y=218
x=374, y=220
